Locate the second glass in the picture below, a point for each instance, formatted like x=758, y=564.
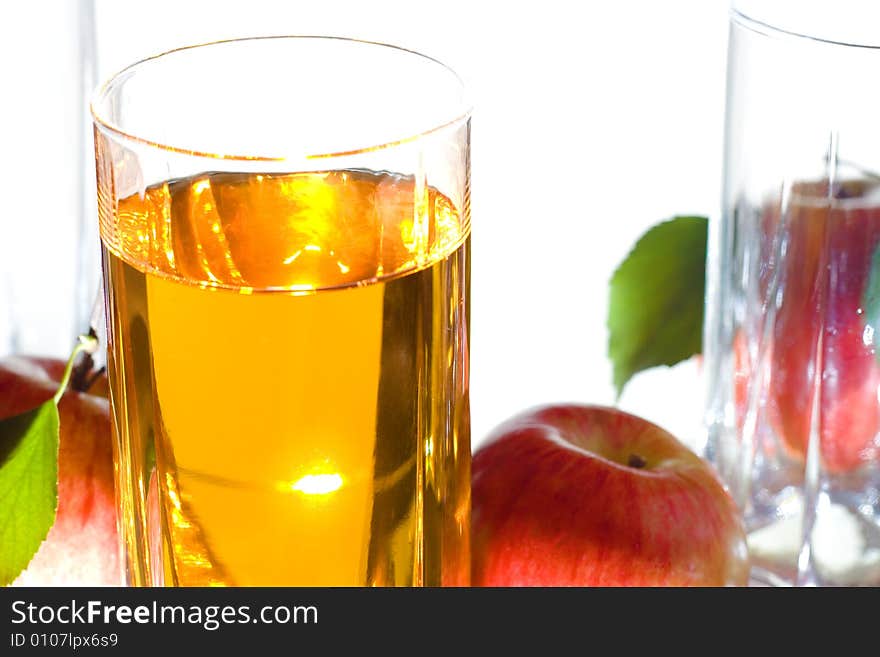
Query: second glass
x=285, y=226
x=794, y=292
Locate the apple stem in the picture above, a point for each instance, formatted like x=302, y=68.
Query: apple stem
x=80, y=378
x=85, y=343
x=636, y=461
x=94, y=377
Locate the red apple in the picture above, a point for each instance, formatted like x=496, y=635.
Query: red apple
x=826, y=269
x=572, y=495
x=82, y=548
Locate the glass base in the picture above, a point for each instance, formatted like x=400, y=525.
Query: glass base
x=760, y=577
x=842, y=549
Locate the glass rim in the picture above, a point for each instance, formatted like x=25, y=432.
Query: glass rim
x=102, y=92
x=747, y=19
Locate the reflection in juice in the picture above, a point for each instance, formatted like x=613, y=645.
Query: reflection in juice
x=288, y=356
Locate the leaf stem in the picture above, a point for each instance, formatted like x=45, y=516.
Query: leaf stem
x=85, y=343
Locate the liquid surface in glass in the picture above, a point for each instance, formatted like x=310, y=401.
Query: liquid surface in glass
x=289, y=373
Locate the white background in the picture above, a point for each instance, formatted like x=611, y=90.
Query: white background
x=593, y=120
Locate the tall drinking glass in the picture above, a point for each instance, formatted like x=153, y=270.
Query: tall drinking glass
x=794, y=291
x=285, y=225
x=49, y=262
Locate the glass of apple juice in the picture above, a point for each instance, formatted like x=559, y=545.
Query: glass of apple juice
x=285, y=225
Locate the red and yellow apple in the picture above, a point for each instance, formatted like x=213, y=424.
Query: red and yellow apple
x=822, y=332
x=81, y=548
x=573, y=495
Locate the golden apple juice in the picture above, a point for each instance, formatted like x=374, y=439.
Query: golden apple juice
x=288, y=357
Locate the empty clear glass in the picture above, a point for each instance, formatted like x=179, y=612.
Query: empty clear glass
x=794, y=291
x=49, y=262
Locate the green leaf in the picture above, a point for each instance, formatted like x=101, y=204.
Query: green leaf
x=655, y=311
x=871, y=296
x=28, y=485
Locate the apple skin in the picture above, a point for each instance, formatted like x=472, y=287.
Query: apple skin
x=82, y=547
x=555, y=504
